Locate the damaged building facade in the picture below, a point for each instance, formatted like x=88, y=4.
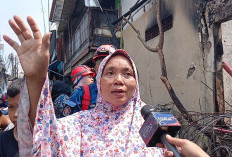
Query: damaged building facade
x=197, y=39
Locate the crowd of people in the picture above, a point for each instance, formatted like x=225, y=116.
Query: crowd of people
x=99, y=118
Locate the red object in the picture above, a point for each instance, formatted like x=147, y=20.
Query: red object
x=227, y=68
x=223, y=130
x=86, y=98
x=81, y=70
x=103, y=51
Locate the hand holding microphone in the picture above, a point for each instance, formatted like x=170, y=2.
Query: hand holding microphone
x=157, y=126
x=187, y=148
x=155, y=129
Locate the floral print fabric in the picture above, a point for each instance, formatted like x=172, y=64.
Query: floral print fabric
x=102, y=131
x=24, y=128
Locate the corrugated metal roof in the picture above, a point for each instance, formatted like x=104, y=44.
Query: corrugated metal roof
x=52, y=10
x=67, y=11
x=56, y=11
x=61, y=12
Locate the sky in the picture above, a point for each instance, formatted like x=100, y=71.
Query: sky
x=23, y=8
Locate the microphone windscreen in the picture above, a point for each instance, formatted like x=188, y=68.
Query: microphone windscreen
x=146, y=111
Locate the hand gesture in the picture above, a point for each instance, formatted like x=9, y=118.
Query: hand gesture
x=34, y=50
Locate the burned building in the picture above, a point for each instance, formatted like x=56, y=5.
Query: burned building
x=81, y=29
x=195, y=44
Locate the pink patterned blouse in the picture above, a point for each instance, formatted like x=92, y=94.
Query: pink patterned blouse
x=103, y=131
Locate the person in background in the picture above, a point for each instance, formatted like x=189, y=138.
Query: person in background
x=101, y=52
x=84, y=97
x=3, y=103
x=9, y=139
x=60, y=92
x=5, y=122
x=82, y=75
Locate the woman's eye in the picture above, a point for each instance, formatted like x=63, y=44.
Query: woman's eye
x=128, y=74
x=110, y=73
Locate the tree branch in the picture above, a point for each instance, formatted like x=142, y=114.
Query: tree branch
x=139, y=36
x=159, y=49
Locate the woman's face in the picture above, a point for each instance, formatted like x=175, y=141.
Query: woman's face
x=118, y=81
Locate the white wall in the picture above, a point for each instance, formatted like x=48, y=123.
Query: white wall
x=227, y=57
x=181, y=51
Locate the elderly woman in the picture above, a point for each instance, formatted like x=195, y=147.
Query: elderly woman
x=110, y=129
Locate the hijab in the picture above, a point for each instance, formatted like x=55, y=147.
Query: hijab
x=103, y=131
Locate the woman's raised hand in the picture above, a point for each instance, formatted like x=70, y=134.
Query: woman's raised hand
x=34, y=49
x=34, y=57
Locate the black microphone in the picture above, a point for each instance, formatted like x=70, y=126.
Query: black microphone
x=156, y=126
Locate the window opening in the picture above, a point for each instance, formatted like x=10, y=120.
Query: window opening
x=154, y=31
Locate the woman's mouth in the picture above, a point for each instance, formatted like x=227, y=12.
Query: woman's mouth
x=118, y=93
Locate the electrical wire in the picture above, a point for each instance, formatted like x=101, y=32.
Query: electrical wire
x=43, y=16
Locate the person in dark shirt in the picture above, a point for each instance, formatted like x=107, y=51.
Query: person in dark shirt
x=4, y=122
x=9, y=139
x=8, y=144
x=60, y=92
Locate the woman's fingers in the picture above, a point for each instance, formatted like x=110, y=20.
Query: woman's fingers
x=21, y=29
x=11, y=42
x=34, y=28
x=24, y=30
x=17, y=30
x=46, y=43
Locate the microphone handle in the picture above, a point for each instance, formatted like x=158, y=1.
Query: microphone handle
x=169, y=146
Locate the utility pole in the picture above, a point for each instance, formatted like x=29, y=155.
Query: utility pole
x=11, y=57
x=3, y=78
x=2, y=64
x=16, y=67
x=49, y=27
x=43, y=16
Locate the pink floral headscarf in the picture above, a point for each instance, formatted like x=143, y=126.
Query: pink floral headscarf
x=102, y=131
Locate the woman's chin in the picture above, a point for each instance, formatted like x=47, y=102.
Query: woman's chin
x=118, y=103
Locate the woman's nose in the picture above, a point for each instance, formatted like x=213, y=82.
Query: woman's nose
x=118, y=79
